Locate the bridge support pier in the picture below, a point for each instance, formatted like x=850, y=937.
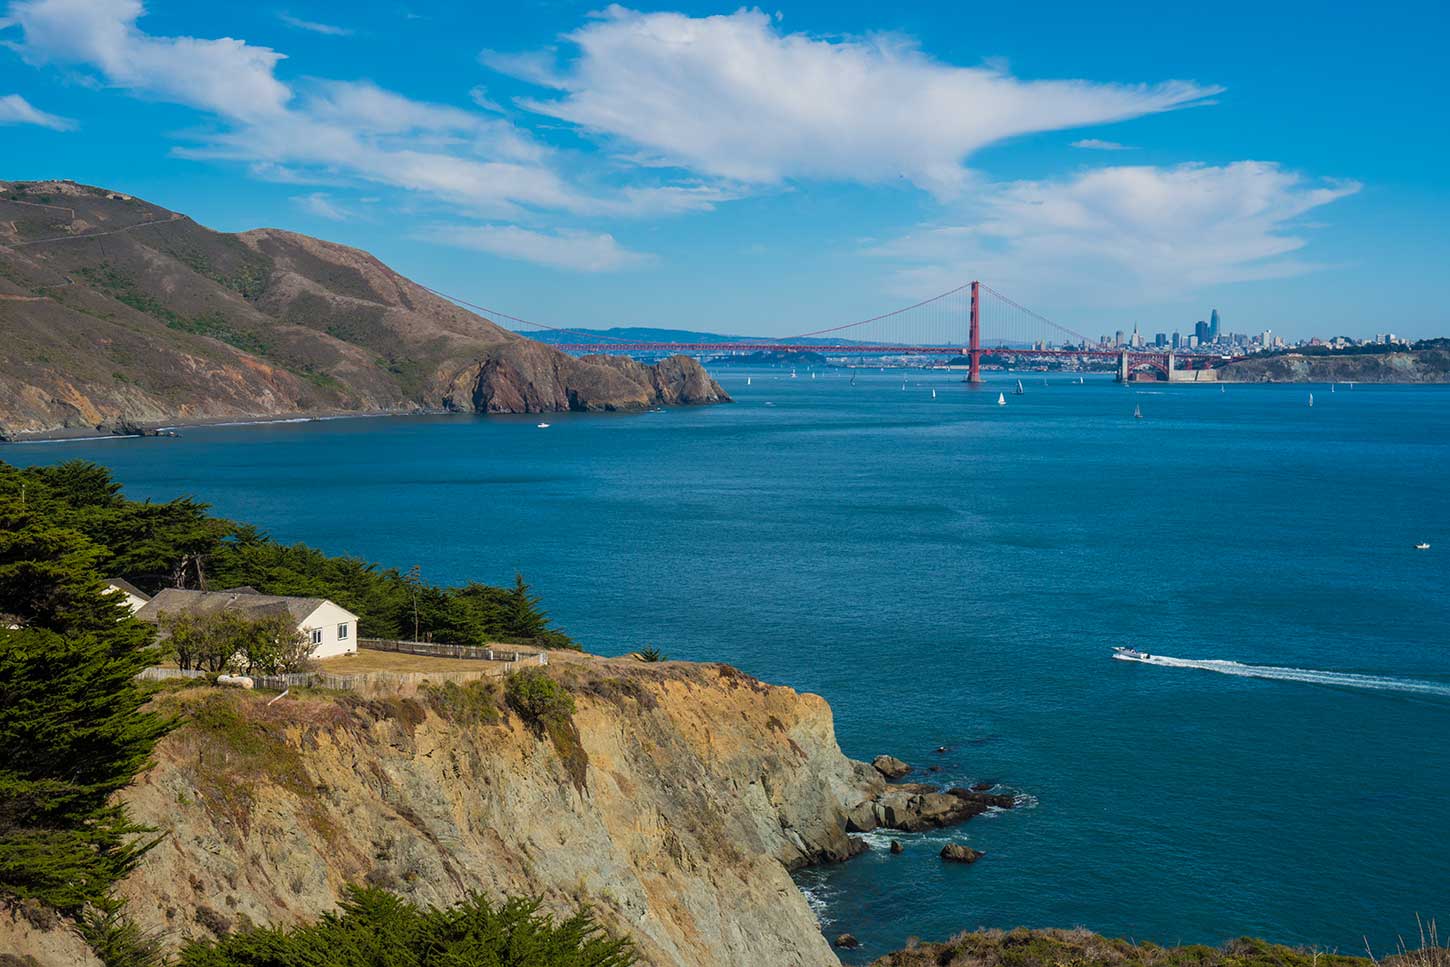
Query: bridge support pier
x=1123, y=366
x=974, y=344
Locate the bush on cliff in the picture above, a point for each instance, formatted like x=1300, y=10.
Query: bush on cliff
x=537, y=697
x=376, y=928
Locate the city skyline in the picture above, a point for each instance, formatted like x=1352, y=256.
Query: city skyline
x=611, y=168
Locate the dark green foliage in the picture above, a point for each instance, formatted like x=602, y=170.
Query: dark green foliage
x=116, y=939
x=649, y=653
x=177, y=544
x=71, y=727
x=537, y=697
x=377, y=929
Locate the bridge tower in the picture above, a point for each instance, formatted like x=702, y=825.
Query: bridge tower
x=974, y=345
x=1123, y=366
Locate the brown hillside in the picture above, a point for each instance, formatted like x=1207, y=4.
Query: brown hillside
x=114, y=311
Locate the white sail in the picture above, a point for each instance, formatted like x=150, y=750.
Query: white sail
x=1311, y=399
x=1001, y=399
x=933, y=394
x=747, y=381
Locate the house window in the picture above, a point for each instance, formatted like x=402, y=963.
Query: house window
x=342, y=631
x=317, y=636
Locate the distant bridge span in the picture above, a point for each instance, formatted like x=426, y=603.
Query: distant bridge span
x=953, y=323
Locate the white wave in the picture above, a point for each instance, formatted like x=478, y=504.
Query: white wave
x=1309, y=676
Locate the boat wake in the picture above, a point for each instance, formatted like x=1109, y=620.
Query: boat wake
x=1309, y=676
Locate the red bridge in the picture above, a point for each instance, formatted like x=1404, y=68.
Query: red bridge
x=951, y=324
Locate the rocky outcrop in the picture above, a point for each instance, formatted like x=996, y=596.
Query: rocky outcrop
x=688, y=793
x=890, y=766
x=959, y=853
x=913, y=807
x=169, y=322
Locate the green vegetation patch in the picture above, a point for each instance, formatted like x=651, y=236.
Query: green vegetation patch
x=465, y=703
x=548, y=709
x=375, y=928
x=1082, y=948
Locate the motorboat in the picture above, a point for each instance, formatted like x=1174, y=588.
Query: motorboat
x=1422, y=546
x=543, y=426
x=1124, y=653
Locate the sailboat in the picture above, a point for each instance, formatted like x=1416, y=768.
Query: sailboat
x=1220, y=388
x=792, y=374
x=1079, y=381
x=1137, y=412
x=813, y=374
x=933, y=394
x=1331, y=387
x=747, y=381
x=853, y=379
x=1019, y=390
x=1001, y=399
x=1311, y=399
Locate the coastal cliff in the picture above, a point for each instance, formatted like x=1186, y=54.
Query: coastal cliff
x=674, y=806
x=1419, y=366
x=116, y=313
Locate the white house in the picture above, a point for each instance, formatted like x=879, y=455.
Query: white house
x=332, y=630
x=132, y=596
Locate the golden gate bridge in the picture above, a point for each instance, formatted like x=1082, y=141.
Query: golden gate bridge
x=972, y=321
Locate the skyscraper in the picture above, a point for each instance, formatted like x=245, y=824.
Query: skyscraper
x=1213, y=326
x=1160, y=339
x=1200, y=329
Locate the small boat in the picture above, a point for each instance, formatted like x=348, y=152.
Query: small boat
x=768, y=403
x=813, y=374
x=1019, y=390
x=543, y=426
x=1131, y=654
x=1137, y=412
x=853, y=379
x=1311, y=399
x=933, y=394
x=747, y=381
x=1422, y=546
x=1220, y=388
x=792, y=374
x=1331, y=387
x=1079, y=381
x=1001, y=399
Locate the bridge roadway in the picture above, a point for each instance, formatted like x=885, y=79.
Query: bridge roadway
x=876, y=349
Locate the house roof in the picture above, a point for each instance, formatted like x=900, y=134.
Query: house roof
x=171, y=601
x=123, y=585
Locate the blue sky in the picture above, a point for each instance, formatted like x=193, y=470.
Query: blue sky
x=779, y=169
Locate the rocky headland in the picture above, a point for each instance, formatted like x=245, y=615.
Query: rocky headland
x=1417, y=366
x=676, y=804
x=117, y=314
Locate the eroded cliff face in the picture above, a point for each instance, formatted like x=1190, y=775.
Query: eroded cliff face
x=676, y=808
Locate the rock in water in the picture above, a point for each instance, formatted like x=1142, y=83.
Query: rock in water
x=890, y=766
x=896, y=847
x=847, y=941
x=957, y=853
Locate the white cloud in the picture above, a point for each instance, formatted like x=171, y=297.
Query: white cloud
x=1097, y=144
x=327, y=130
x=566, y=249
x=734, y=97
x=15, y=109
x=229, y=77
x=1124, y=235
x=319, y=203
x=314, y=27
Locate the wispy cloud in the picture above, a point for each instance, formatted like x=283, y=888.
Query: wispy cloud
x=319, y=203
x=314, y=27
x=1097, y=144
x=480, y=164
x=565, y=249
x=734, y=97
x=15, y=109
x=1125, y=235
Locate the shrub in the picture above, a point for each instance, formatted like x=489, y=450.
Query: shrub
x=537, y=698
x=375, y=927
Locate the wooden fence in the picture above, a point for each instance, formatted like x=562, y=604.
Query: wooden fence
x=470, y=652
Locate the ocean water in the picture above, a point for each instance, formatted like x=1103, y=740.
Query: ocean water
x=950, y=572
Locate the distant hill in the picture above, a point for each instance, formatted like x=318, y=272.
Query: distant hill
x=115, y=313
x=628, y=334
x=1430, y=365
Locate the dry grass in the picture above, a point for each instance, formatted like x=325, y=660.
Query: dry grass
x=366, y=661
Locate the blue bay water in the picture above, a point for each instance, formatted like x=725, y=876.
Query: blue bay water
x=948, y=572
